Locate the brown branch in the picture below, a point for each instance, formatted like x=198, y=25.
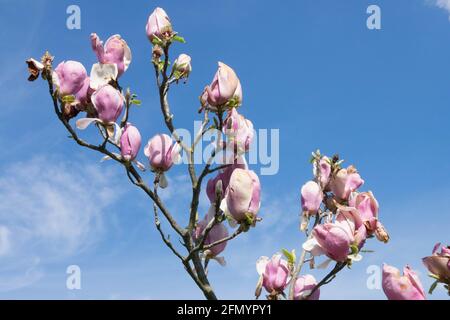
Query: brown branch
x=330, y=276
x=231, y=237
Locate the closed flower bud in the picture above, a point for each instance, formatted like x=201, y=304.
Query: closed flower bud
x=438, y=263
x=162, y=152
x=158, y=25
x=130, y=142
x=311, y=197
x=242, y=198
x=218, y=232
x=224, y=87
x=69, y=77
x=224, y=177
x=274, y=272
x=401, y=287
x=115, y=51
x=323, y=171
x=239, y=131
x=345, y=182
x=303, y=287
x=157, y=52
x=108, y=102
x=182, y=66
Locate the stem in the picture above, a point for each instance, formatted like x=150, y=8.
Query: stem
x=301, y=262
x=330, y=276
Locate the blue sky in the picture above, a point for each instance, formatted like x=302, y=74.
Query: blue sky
x=381, y=99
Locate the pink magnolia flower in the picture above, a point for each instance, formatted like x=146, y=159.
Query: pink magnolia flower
x=69, y=77
x=218, y=232
x=130, y=142
x=303, y=287
x=162, y=152
x=115, y=51
x=224, y=177
x=438, y=263
x=158, y=25
x=239, y=132
x=274, y=273
x=367, y=206
x=338, y=240
x=242, y=197
x=311, y=197
x=83, y=96
x=401, y=287
x=225, y=86
x=345, y=182
x=323, y=171
x=183, y=65
x=108, y=102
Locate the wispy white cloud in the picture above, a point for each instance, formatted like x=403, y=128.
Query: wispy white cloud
x=50, y=210
x=443, y=4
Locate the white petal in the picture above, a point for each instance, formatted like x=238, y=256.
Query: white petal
x=355, y=257
x=221, y=261
x=313, y=247
x=37, y=64
x=83, y=123
x=105, y=158
x=261, y=264
x=139, y=165
x=102, y=74
x=117, y=133
x=55, y=79
x=224, y=207
x=176, y=157
x=163, y=181
x=309, y=245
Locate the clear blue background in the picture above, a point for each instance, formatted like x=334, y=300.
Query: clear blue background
x=380, y=98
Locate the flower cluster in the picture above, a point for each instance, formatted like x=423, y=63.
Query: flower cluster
x=344, y=217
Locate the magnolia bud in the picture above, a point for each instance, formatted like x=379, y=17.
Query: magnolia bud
x=438, y=264
x=304, y=285
x=218, y=232
x=274, y=272
x=242, y=198
x=345, y=182
x=182, y=66
x=158, y=25
x=108, y=102
x=130, y=142
x=162, y=152
x=157, y=52
x=239, y=131
x=224, y=87
x=311, y=197
x=69, y=77
x=323, y=171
